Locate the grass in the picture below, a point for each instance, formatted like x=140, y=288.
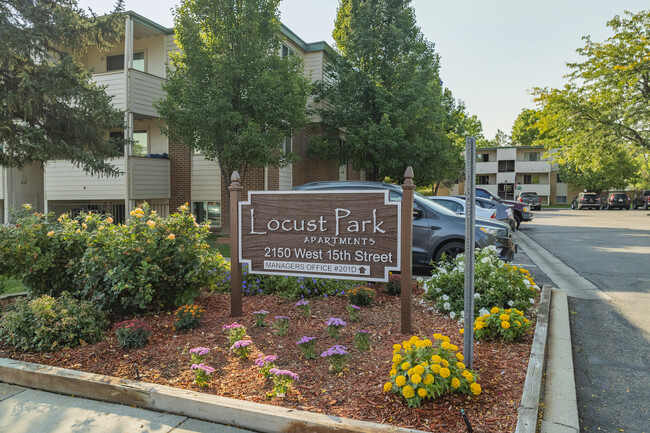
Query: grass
x=10, y=285
x=224, y=249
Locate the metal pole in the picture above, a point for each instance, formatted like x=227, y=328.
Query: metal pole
x=470, y=210
x=407, y=240
x=235, y=189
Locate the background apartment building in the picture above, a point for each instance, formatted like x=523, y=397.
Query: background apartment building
x=508, y=171
x=164, y=174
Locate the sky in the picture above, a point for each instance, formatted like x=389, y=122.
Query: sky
x=492, y=51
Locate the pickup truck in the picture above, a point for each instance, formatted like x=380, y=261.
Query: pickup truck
x=521, y=211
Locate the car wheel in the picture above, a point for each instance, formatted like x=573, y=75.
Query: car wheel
x=450, y=250
x=517, y=220
x=645, y=206
x=573, y=206
x=513, y=225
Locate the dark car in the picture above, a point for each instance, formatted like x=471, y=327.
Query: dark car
x=642, y=199
x=436, y=230
x=521, y=211
x=534, y=200
x=586, y=200
x=504, y=212
x=615, y=200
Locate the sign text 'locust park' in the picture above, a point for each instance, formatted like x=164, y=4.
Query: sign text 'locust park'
x=350, y=234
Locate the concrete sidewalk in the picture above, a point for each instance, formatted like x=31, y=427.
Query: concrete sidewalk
x=24, y=410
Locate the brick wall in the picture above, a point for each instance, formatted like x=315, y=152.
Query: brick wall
x=307, y=169
x=180, y=175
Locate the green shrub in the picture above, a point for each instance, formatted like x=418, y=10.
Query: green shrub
x=132, y=333
x=361, y=296
x=496, y=284
x=46, y=323
x=506, y=324
x=394, y=285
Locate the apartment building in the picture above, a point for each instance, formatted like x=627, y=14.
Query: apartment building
x=164, y=174
x=508, y=171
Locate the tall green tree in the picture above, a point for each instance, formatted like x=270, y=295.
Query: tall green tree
x=600, y=121
x=49, y=106
x=230, y=95
x=525, y=131
x=385, y=93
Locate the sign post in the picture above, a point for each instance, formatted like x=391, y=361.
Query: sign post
x=407, y=240
x=470, y=211
x=235, y=189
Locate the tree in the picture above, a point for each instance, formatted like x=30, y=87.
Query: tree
x=502, y=139
x=525, y=131
x=604, y=111
x=385, y=92
x=50, y=107
x=229, y=93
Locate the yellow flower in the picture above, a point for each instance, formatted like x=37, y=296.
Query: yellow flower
x=454, y=347
x=400, y=381
x=435, y=368
x=445, y=345
x=479, y=326
x=397, y=357
x=460, y=365
x=388, y=386
x=505, y=325
x=422, y=392
x=445, y=338
x=445, y=362
x=436, y=359
x=460, y=356
x=427, y=343
x=84, y=225
x=437, y=336
x=444, y=372
x=410, y=372
x=27, y=206
x=428, y=380
x=413, y=339
x=416, y=378
x=109, y=220
x=408, y=391
x=183, y=208
x=418, y=369
x=393, y=372
x=50, y=233
x=509, y=310
x=494, y=310
x=518, y=323
x=407, y=346
x=504, y=317
x=406, y=365
x=455, y=383
x=397, y=347
x=151, y=223
x=475, y=388
x=467, y=375
x=526, y=320
x=462, y=331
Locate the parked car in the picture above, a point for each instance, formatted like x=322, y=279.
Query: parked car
x=586, y=200
x=457, y=205
x=615, y=200
x=642, y=199
x=521, y=211
x=534, y=200
x=436, y=230
x=503, y=212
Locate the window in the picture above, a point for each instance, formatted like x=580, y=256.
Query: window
x=482, y=157
x=116, y=63
x=116, y=135
x=208, y=211
x=561, y=198
x=140, y=143
x=482, y=180
x=559, y=179
x=531, y=179
x=532, y=156
x=285, y=52
x=506, y=166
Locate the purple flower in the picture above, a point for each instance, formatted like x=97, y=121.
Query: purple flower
x=278, y=372
x=335, y=350
x=201, y=351
x=354, y=307
x=241, y=343
x=207, y=369
x=261, y=312
x=335, y=321
x=262, y=361
x=302, y=302
x=304, y=340
x=282, y=317
x=362, y=331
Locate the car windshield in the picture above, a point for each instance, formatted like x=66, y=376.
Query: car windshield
x=590, y=196
x=619, y=195
x=424, y=201
x=529, y=194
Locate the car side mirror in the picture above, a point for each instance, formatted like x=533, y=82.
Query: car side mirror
x=417, y=213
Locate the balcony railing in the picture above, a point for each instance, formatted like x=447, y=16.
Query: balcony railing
x=144, y=90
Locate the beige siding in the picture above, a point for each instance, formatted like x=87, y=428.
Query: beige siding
x=116, y=87
x=314, y=65
x=206, y=179
x=150, y=178
x=65, y=181
x=146, y=88
x=170, y=47
x=286, y=178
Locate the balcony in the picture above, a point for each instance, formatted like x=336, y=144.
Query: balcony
x=533, y=167
x=486, y=167
x=144, y=90
x=149, y=179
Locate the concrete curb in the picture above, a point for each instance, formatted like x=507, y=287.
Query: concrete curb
x=529, y=407
x=207, y=407
x=13, y=295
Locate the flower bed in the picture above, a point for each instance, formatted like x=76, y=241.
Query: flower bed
x=356, y=392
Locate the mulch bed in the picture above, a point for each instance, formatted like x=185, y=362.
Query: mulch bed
x=355, y=393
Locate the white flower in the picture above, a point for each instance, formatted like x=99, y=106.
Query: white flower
x=420, y=280
x=477, y=296
x=485, y=260
x=511, y=303
x=483, y=311
x=445, y=297
x=527, y=283
x=532, y=301
x=452, y=314
x=438, y=289
x=536, y=287
x=462, y=313
x=446, y=305
x=442, y=271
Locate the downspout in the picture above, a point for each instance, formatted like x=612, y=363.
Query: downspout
x=128, y=117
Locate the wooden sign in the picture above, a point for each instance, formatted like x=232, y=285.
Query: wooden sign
x=351, y=234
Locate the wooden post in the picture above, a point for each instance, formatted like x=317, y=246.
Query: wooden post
x=406, y=244
x=235, y=189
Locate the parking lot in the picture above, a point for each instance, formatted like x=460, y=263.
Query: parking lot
x=610, y=336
